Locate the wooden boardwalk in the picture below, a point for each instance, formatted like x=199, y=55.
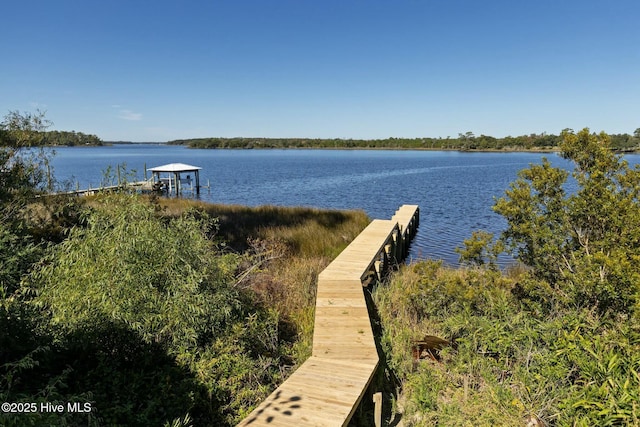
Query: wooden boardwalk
x=327, y=389
x=137, y=185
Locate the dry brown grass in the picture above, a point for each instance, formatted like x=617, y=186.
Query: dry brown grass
x=305, y=231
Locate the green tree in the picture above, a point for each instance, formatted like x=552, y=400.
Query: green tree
x=24, y=347
x=23, y=167
x=586, y=245
x=23, y=129
x=22, y=173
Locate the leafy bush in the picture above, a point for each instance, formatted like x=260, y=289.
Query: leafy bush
x=128, y=266
x=144, y=311
x=585, y=245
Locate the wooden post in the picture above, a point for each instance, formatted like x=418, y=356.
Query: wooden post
x=378, y=270
x=388, y=257
x=49, y=181
x=377, y=412
x=395, y=247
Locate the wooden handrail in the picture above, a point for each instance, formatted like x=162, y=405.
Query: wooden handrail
x=328, y=387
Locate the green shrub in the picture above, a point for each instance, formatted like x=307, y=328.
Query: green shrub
x=584, y=245
x=509, y=360
x=152, y=308
x=127, y=266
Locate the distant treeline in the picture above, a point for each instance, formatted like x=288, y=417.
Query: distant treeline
x=467, y=141
x=58, y=137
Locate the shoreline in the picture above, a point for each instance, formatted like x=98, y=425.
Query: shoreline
x=551, y=150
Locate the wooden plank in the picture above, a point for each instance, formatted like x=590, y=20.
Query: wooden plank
x=350, y=289
x=318, y=393
x=336, y=300
x=342, y=324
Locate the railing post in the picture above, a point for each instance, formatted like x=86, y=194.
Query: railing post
x=388, y=254
x=398, y=242
x=377, y=411
x=378, y=270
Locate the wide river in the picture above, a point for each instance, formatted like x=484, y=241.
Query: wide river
x=455, y=190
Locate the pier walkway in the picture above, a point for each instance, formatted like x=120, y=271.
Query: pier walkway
x=147, y=185
x=327, y=388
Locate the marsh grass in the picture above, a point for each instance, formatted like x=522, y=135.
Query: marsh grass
x=306, y=231
x=459, y=388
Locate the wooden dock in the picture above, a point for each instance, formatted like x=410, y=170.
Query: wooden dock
x=135, y=186
x=167, y=178
x=327, y=389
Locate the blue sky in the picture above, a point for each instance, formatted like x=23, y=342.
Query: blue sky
x=160, y=70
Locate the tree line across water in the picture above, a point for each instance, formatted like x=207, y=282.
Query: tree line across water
x=26, y=127
x=69, y=138
x=464, y=142
x=467, y=141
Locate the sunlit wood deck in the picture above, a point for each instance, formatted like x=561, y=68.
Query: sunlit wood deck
x=328, y=387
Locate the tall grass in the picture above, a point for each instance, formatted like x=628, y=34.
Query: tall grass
x=305, y=231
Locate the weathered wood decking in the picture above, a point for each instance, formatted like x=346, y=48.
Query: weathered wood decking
x=327, y=388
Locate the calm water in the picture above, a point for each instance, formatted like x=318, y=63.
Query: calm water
x=455, y=190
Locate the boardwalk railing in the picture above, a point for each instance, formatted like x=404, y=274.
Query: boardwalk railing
x=327, y=388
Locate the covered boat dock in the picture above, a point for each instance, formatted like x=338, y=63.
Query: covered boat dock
x=171, y=177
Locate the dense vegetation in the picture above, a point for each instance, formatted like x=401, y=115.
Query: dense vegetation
x=553, y=342
x=69, y=138
x=15, y=123
x=152, y=312
x=467, y=141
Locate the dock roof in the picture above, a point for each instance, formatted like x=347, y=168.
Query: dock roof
x=175, y=167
